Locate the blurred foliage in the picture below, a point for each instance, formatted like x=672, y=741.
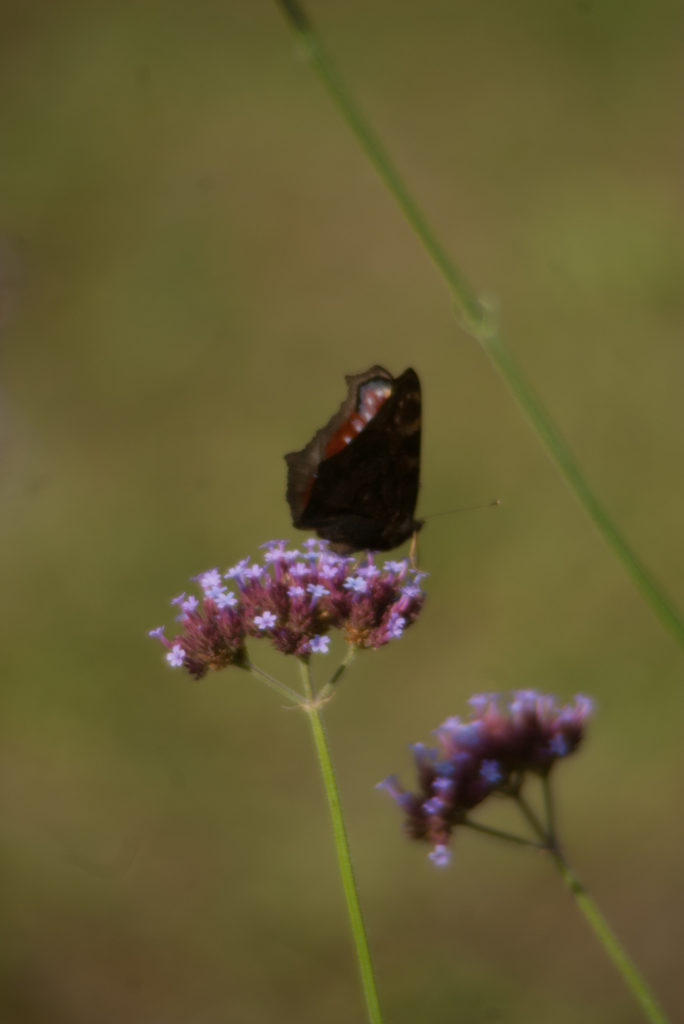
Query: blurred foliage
x=192, y=254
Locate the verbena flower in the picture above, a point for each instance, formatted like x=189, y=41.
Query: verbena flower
x=294, y=598
x=502, y=740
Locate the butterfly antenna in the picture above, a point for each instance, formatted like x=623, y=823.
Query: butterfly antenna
x=466, y=508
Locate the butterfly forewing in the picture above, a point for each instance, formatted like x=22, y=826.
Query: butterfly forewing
x=356, y=482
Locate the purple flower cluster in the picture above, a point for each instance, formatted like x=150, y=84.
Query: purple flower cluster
x=294, y=598
x=489, y=752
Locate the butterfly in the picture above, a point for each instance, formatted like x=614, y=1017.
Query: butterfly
x=356, y=482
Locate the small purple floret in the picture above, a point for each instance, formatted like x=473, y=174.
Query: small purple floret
x=317, y=590
x=319, y=644
x=356, y=583
x=210, y=580
x=491, y=772
x=176, y=656
x=440, y=856
x=265, y=621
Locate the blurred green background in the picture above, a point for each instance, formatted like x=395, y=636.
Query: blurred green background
x=193, y=252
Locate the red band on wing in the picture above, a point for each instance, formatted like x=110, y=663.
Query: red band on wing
x=371, y=397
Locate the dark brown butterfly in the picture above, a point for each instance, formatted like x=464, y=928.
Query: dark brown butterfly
x=356, y=481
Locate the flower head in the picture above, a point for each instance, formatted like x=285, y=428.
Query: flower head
x=295, y=598
x=501, y=741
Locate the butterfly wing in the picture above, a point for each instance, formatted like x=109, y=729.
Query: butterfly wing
x=363, y=494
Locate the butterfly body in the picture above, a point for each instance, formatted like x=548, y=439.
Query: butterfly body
x=356, y=482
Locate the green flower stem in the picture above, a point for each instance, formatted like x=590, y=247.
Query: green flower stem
x=549, y=811
x=532, y=819
x=631, y=975
x=327, y=690
x=509, y=837
x=625, y=966
x=280, y=688
x=479, y=322
x=358, y=928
